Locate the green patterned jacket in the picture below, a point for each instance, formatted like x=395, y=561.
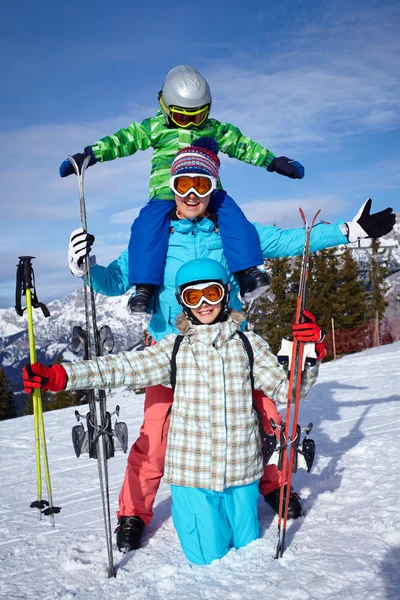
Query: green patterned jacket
x=154, y=133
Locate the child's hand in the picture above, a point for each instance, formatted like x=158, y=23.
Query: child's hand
x=308, y=331
x=48, y=379
x=287, y=167
x=67, y=169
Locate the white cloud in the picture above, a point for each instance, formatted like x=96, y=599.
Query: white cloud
x=285, y=212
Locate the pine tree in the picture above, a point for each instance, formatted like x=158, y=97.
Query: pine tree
x=351, y=294
x=7, y=409
x=273, y=315
x=323, y=299
x=377, y=286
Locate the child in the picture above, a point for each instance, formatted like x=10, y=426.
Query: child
x=185, y=102
x=213, y=460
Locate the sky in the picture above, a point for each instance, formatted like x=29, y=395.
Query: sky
x=318, y=82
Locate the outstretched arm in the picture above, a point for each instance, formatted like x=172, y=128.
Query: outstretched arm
x=276, y=242
x=123, y=143
x=232, y=142
x=150, y=367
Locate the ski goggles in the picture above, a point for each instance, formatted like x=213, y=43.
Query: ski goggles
x=201, y=185
x=184, y=117
x=194, y=295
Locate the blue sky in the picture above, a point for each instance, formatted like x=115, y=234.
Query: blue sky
x=316, y=81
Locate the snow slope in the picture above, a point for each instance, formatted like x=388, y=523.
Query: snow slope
x=347, y=545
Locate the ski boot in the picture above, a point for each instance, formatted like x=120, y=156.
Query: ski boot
x=294, y=510
x=143, y=300
x=252, y=282
x=129, y=533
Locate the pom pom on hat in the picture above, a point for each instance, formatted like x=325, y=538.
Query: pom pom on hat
x=199, y=158
x=208, y=143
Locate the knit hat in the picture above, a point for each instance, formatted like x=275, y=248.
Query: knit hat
x=201, y=157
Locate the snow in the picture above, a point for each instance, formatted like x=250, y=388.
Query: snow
x=347, y=544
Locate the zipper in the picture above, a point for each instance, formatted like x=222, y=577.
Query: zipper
x=194, y=238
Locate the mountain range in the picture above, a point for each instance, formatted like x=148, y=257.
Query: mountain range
x=53, y=334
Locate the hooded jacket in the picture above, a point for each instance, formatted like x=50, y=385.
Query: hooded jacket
x=213, y=439
x=201, y=239
x=166, y=141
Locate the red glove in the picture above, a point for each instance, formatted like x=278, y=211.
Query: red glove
x=309, y=331
x=48, y=379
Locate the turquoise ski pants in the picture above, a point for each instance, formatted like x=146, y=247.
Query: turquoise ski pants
x=209, y=523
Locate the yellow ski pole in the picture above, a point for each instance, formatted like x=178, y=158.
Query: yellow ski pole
x=25, y=285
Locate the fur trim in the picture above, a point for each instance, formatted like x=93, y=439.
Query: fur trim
x=237, y=317
x=183, y=324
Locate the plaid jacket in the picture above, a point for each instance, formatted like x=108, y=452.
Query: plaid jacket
x=213, y=440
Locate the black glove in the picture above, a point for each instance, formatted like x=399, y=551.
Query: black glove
x=67, y=169
x=374, y=226
x=287, y=166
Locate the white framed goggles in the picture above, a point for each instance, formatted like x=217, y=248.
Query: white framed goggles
x=194, y=295
x=184, y=184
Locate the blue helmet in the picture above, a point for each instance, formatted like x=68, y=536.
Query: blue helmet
x=196, y=271
x=200, y=269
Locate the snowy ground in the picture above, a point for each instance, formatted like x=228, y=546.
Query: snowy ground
x=347, y=545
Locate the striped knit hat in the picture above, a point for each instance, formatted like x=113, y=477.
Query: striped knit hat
x=200, y=158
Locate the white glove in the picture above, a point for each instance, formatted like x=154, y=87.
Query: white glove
x=365, y=225
x=80, y=244
x=284, y=354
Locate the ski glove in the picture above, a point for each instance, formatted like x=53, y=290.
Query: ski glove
x=67, y=169
x=48, y=379
x=287, y=166
x=309, y=331
x=374, y=226
x=80, y=244
x=306, y=332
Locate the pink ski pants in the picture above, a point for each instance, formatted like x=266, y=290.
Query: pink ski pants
x=146, y=458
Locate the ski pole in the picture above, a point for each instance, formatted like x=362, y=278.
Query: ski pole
x=26, y=286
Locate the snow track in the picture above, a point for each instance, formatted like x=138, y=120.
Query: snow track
x=347, y=545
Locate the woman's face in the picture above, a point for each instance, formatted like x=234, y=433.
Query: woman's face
x=206, y=313
x=191, y=206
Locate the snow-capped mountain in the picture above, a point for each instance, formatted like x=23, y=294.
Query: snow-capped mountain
x=53, y=334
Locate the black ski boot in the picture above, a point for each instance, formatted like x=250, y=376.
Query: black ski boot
x=252, y=282
x=143, y=300
x=129, y=533
x=294, y=510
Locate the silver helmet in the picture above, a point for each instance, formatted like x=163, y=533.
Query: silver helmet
x=185, y=98
x=186, y=88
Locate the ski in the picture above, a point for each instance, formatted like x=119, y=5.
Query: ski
x=84, y=440
x=290, y=444
x=101, y=447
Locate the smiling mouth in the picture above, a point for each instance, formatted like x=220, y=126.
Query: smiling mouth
x=206, y=311
x=192, y=202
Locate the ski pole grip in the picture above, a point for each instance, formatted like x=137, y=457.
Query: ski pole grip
x=26, y=271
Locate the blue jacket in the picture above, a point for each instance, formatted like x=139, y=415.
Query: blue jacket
x=200, y=239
